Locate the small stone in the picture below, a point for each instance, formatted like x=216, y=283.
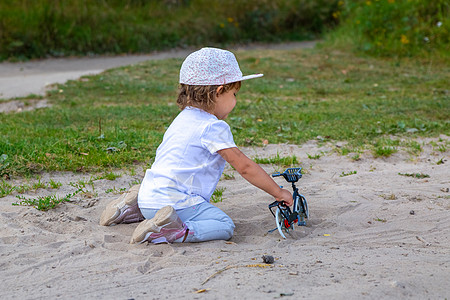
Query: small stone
x=268, y=259
x=412, y=212
x=397, y=284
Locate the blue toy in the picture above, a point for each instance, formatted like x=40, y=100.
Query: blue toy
x=285, y=217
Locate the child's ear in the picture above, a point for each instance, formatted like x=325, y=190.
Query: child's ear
x=219, y=90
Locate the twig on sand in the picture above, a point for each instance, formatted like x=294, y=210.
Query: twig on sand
x=423, y=241
x=234, y=267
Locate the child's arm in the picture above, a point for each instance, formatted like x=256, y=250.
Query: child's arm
x=254, y=174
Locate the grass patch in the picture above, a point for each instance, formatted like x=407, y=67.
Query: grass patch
x=128, y=109
x=3, y=164
x=314, y=156
x=82, y=187
x=282, y=161
x=356, y=157
x=385, y=147
x=6, y=188
x=441, y=161
x=343, y=174
x=384, y=151
x=38, y=185
x=44, y=202
x=217, y=195
x=22, y=188
x=116, y=191
x=344, y=150
x=415, y=175
x=134, y=182
x=110, y=176
x=380, y=220
x=54, y=184
x=228, y=176
x=440, y=146
x=41, y=28
x=413, y=147
x=393, y=28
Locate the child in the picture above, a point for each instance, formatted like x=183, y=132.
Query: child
x=173, y=197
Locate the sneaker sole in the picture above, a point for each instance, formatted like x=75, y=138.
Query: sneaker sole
x=164, y=216
x=115, y=208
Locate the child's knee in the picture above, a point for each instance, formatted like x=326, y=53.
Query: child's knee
x=230, y=228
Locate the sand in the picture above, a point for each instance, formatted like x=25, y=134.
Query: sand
x=371, y=235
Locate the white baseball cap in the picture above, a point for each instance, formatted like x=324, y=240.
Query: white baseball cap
x=212, y=66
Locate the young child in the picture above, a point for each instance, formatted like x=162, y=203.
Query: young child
x=173, y=198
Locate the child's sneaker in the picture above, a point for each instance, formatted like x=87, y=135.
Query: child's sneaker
x=123, y=210
x=165, y=227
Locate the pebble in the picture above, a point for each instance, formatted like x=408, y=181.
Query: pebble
x=268, y=259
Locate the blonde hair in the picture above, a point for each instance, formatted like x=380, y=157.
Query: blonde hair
x=202, y=96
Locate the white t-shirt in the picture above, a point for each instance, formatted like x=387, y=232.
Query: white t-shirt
x=187, y=166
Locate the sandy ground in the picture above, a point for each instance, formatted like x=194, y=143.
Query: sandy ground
x=371, y=235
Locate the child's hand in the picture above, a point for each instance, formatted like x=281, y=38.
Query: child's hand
x=286, y=197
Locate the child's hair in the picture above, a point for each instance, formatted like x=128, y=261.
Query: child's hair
x=202, y=96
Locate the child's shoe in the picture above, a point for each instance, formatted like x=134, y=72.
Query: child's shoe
x=123, y=210
x=165, y=227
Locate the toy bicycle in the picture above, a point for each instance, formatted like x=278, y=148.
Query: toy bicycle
x=285, y=218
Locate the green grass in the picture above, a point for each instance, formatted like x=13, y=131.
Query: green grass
x=116, y=191
x=54, y=184
x=440, y=145
x=303, y=95
x=393, y=28
x=217, y=195
x=415, y=175
x=314, y=156
x=44, y=202
x=343, y=174
x=7, y=188
x=356, y=157
x=228, y=176
x=380, y=220
x=282, y=161
x=110, y=176
x=384, y=151
x=41, y=28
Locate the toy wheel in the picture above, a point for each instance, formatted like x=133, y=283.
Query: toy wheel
x=279, y=218
x=305, y=205
x=302, y=210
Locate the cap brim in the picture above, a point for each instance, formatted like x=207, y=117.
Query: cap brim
x=251, y=76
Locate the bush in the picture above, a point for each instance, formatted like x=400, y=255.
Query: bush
x=393, y=27
x=40, y=28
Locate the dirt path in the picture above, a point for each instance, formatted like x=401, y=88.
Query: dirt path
x=25, y=78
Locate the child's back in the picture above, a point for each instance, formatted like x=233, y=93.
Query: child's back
x=187, y=166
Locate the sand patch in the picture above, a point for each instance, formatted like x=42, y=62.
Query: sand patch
x=372, y=234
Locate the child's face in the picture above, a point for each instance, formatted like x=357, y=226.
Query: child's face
x=225, y=103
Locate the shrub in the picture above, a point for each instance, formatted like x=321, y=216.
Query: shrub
x=39, y=28
x=393, y=27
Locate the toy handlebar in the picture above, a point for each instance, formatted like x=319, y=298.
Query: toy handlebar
x=290, y=174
